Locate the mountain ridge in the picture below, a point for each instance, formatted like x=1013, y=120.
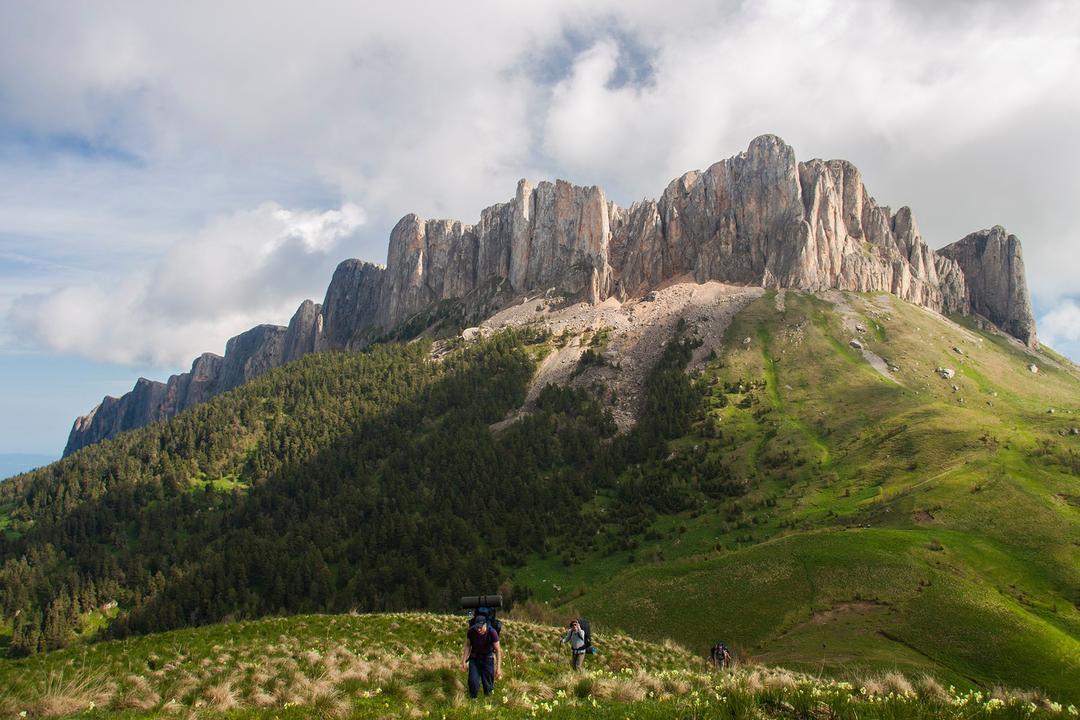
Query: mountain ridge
x=759, y=218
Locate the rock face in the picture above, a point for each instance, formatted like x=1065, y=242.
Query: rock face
x=303, y=331
x=246, y=356
x=554, y=235
x=352, y=301
x=760, y=218
x=993, y=266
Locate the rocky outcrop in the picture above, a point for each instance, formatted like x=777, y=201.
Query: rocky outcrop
x=554, y=235
x=250, y=354
x=247, y=355
x=143, y=405
x=303, y=331
x=760, y=218
x=993, y=266
x=953, y=286
x=351, y=305
x=196, y=386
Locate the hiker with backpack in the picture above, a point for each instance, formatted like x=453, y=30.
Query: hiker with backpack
x=579, y=640
x=719, y=656
x=482, y=656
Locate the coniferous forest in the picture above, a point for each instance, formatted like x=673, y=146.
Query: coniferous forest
x=342, y=481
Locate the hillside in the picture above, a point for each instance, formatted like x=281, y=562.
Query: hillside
x=891, y=516
x=824, y=507
x=406, y=665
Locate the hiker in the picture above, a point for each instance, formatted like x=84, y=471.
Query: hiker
x=482, y=656
x=719, y=656
x=578, y=645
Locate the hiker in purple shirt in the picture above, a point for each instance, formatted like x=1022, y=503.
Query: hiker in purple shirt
x=482, y=657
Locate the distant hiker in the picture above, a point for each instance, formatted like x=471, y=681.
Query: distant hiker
x=482, y=657
x=719, y=656
x=579, y=645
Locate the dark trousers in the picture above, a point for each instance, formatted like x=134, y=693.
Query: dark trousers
x=481, y=672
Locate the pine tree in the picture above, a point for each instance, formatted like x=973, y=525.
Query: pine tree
x=57, y=623
x=26, y=638
x=18, y=647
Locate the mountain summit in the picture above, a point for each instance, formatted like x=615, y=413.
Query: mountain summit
x=760, y=218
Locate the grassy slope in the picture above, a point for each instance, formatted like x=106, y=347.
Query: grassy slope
x=886, y=523
x=406, y=665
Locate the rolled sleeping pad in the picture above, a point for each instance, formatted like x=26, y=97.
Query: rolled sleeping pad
x=479, y=601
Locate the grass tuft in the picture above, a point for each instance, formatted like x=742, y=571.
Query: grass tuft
x=66, y=693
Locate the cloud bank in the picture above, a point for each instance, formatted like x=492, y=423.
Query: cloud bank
x=1061, y=326
x=135, y=139
x=242, y=270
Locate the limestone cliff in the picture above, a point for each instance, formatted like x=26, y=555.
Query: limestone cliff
x=303, y=331
x=246, y=356
x=760, y=218
x=352, y=301
x=993, y=267
x=553, y=235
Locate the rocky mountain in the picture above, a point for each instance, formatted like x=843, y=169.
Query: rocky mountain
x=760, y=218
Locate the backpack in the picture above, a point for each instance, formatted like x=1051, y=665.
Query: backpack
x=584, y=623
x=720, y=655
x=488, y=614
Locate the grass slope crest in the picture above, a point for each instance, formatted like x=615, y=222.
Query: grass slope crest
x=407, y=665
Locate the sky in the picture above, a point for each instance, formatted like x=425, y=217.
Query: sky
x=171, y=175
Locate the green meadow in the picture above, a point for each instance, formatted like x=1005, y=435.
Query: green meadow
x=408, y=665
x=889, y=521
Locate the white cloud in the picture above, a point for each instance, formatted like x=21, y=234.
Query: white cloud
x=127, y=127
x=1060, y=327
x=242, y=270
x=965, y=115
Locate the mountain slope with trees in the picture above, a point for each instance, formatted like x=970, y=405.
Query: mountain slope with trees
x=817, y=493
